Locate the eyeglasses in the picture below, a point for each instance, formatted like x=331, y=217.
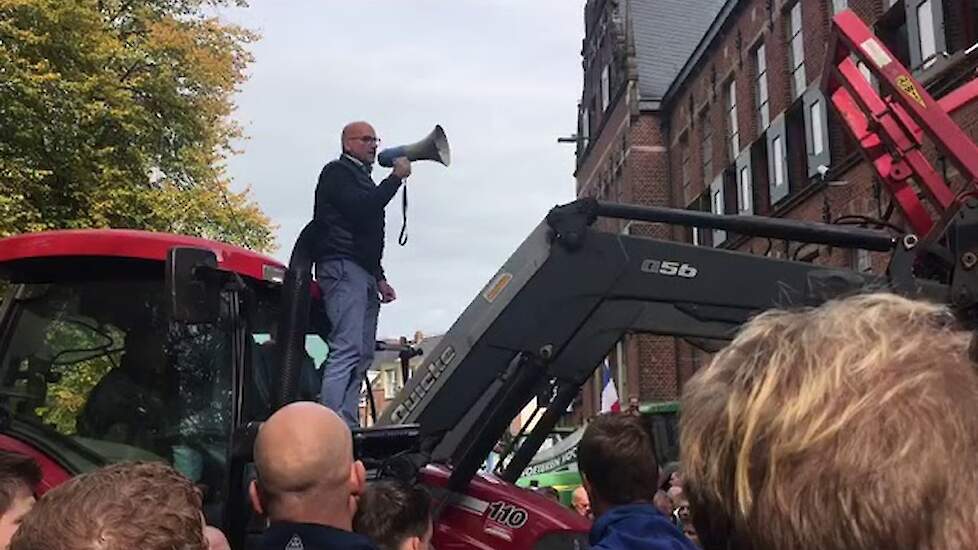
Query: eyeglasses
x=366, y=140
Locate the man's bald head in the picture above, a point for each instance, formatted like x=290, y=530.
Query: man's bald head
x=304, y=458
x=359, y=140
x=356, y=128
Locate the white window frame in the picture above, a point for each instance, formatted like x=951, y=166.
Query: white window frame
x=717, y=207
x=733, y=130
x=390, y=384
x=779, y=161
x=622, y=368
x=927, y=34
x=697, y=241
x=817, y=138
x=796, y=51
x=864, y=70
x=763, y=97
x=864, y=262
x=745, y=190
x=605, y=87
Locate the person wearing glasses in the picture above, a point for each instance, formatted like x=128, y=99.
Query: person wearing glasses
x=349, y=217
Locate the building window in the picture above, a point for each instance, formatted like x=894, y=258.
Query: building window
x=745, y=192
x=839, y=5
x=605, y=88
x=684, y=164
x=866, y=72
x=733, y=130
x=779, y=153
x=816, y=138
x=716, y=206
x=864, y=263
x=763, y=109
x=622, y=383
x=893, y=30
x=390, y=384
x=927, y=41
x=707, y=148
x=797, y=57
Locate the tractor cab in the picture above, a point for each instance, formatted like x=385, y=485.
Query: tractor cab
x=95, y=369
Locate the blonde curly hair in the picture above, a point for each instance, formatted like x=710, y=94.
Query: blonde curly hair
x=852, y=425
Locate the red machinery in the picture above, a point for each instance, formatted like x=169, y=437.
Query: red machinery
x=891, y=130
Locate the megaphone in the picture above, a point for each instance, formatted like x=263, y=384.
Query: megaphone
x=433, y=147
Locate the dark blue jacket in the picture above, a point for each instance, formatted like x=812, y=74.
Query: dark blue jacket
x=349, y=214
x=636, y=527
x=309, y=536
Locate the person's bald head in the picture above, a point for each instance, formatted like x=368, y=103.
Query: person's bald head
x=359, y=140
x=304, y=459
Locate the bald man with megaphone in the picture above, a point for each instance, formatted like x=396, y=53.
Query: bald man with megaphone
x=349, y=215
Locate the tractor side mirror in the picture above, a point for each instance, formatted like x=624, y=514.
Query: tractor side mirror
x=193, y=285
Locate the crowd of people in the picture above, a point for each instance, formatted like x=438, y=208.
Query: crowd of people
x=308, y=486
x=847, y=426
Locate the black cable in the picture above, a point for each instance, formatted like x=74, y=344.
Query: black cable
x=854, y=219
x=402, y=239
x=794, y=256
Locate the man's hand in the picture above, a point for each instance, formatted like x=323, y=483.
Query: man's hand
x=402, y=167
x=387, y=294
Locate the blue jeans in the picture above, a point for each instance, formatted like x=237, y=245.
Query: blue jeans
x=352, y=305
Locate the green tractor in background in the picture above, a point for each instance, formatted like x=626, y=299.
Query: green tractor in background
x=556, y=466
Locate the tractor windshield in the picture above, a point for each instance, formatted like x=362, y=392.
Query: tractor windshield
x=97, y=365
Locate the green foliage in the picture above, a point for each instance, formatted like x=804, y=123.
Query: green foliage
x=67, y=397
x=81, y=357
x=117, y=113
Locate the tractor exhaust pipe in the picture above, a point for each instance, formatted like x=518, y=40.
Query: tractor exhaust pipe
x=290, y=338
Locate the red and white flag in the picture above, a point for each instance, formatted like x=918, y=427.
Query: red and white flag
x=609, y=394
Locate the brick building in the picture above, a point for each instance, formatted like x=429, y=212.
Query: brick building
x=718, y=108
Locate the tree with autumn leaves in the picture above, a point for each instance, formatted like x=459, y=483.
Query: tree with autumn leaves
x=117, y=113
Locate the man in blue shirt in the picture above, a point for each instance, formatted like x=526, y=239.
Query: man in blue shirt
x=619, y=470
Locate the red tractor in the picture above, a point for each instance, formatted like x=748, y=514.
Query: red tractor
x=125, y=345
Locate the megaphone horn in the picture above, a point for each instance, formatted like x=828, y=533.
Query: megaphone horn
x=433, y=147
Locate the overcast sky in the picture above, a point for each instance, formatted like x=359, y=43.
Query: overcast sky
x=501, y=76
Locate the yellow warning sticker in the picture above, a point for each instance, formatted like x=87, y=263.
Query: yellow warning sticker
x=906, y=84
x=496, y=287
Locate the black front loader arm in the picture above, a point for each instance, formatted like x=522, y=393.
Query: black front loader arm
x=569, y=293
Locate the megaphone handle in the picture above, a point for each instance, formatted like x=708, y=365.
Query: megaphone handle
x=403, y=237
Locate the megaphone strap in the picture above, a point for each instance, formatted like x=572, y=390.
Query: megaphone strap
x=402, y=239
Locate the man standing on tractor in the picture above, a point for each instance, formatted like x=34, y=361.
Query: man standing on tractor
x=349, y=215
